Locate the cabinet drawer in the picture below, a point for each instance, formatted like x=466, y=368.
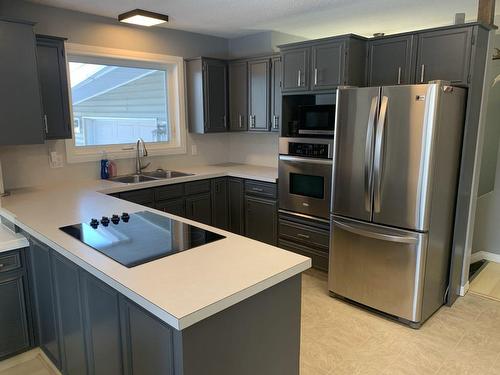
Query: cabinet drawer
x=144, y=196
x=197, y=187
x=301, y=233
x=263, y=189
x=319, y=258
x=169, y=192
x=10, y=261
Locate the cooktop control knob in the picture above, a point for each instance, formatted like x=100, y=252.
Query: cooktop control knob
x=105, y=221
x=125, y=217
x=94, y=223
x=115, y=219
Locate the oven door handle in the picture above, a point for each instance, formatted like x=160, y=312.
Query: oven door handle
x=298, y=159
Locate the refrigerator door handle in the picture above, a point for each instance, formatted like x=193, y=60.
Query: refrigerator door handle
x=369, y=153
x=376, y=235
x=378, y=157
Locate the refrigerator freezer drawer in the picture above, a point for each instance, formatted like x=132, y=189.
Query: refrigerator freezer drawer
x=377, y=266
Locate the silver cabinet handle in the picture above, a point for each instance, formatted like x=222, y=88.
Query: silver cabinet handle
x=252, y=121
x=315, y=76
x=399, y=75
x=240, y=121
x=379, y=142
x=276, y=122
x=422, y=73
x=2, y=265
x=303, y=236
x=299, y=81
x=369, y=153
x=224, y=120
x=257, y=189
x=46, y=122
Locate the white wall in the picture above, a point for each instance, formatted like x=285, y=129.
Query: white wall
x=260, y=149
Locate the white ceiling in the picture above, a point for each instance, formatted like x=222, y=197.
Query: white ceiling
x=304, y=18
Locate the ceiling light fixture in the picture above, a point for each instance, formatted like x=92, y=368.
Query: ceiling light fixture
x=143, y=17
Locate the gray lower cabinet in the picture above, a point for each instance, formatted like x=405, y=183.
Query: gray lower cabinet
x=238, y=96
x=69, y=306
x=15, y=334
x=44, y=301
x=21, y=108
x=172, y=206
x=258, y=94
x=276, y=93
x=207, y=95
x=220, y=203
x=444, y=55
x=328, y=64
x=260, y=219
x=236, y=205
x=148, y=343
x=295, y=69
x=390, y=61
x=101, y=312
x=51, y=59
x=199, y=208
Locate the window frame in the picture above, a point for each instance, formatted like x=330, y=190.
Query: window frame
x=176, y=102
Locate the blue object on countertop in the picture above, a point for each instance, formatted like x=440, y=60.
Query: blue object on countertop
x=104, y=169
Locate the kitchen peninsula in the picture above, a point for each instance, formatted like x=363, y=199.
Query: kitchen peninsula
x=228, y=307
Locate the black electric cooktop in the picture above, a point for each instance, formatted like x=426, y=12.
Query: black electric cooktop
x=139, y=237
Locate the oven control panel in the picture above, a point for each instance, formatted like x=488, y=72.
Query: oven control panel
x=311, y=150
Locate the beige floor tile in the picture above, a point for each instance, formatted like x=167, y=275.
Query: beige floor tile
x=35, y=366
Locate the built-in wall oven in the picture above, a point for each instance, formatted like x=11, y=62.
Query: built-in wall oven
x=305, y=176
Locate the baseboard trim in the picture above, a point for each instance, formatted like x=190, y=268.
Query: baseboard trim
x=486, y=255
x=464, y=289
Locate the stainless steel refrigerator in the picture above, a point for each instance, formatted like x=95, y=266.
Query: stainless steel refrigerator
x=395, y=176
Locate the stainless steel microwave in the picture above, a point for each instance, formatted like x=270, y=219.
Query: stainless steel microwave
x=316, y=119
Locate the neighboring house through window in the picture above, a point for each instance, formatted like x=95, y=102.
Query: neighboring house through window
x=119, y=96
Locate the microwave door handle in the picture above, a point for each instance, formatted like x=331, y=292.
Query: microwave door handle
x=298, y=159
x=369, y=153
x=378, y=157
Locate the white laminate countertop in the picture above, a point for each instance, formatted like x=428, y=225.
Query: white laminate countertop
x=180, y=289
x=10, y=240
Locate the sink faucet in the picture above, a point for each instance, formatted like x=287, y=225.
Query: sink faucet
x=141, y=152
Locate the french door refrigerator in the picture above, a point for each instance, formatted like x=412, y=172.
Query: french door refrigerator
x=395, y=176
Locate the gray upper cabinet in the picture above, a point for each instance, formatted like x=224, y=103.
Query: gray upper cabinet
x=444, y=55
x=258, y=94
x=390, y=61
x=54, y=86
x=206, y=81
x=295, y=70
x=21, y=104
x=238, y=96
x=44, y=301
x=276, y=66
x=328, y=64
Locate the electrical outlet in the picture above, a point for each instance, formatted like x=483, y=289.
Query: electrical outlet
x=194, y=150
x=56, y=160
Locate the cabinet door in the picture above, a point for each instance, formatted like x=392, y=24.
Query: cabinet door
x=258, y=95
x=390, y=60
x=238, y=96
x=14, y=334
x=21, y=108
x=54, y=86
x=172, y=206
x=236, y=206
x=102, y=326
x=295, y=70
x=220, y=203
x=444, y=55
x=67, y=291
x=276, y=94
x=44, y=301
x=215, y=95
x=147, y=342
x=328, y=65
x=199, y=208
x=261, y=219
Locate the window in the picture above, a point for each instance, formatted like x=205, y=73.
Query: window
x=119, y=96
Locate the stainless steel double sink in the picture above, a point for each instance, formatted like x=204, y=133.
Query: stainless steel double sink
x=159, y=174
